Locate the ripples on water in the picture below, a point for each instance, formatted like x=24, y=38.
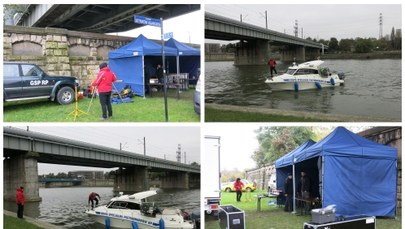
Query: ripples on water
x=372, y=88
x=66, y=206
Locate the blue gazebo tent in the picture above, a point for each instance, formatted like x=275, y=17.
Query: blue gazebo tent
x=284, y=164
x=357, y=175
x=128, y=62
x=188, y=58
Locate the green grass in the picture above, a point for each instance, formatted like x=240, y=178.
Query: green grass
x=151, y=109
x=217, y=115
x=274, y=217
x=16, y=223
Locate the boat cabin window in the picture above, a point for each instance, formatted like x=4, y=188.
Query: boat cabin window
x=306, y=71
x=290, y=71
x=124, y=205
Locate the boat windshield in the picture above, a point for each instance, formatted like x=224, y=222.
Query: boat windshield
x=306, y=71
x=291, y=71
x=124, y=205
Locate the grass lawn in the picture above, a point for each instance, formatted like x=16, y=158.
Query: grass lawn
x=217, y=115
x=274, y=217
x=149, y=109
x=15, y=223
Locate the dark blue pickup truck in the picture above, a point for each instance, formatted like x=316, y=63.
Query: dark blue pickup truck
x=25, y=81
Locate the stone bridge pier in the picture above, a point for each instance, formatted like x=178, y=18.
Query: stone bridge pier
x=252, y=52
x=175, y=180
x=131, y=179
x=20, y=169
x=299, y=54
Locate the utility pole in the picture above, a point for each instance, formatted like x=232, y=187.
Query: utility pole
x=178, y=153
x=144, y=146
x=242, y=18
x=302, y=33
x=381, y=25
x=185, y=161
x=296, y=28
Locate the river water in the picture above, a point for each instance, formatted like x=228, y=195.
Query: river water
x=66, y=206
x=372, y=88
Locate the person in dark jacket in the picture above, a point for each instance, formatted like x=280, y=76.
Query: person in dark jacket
x=159, y=73
x=20, y=199
x=305, y=188
x=288, y=192
x=94, y=197
x=104, y=82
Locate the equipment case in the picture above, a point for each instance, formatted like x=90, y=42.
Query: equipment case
x=231, y=217
x=354, y=223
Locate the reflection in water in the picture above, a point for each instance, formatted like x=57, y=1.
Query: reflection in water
x=372, y=88
x=66, y=206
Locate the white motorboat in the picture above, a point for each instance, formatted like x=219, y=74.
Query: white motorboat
x=127, y=210
x=308, y=75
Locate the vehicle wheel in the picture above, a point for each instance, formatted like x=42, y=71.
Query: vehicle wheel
x=227, y=190
x=65, y=95
x=248, y=189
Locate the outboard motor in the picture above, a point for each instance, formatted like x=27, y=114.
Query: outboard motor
x=341, y=75
x=195, y=216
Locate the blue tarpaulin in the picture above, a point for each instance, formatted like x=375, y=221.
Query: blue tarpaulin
x=356, y=174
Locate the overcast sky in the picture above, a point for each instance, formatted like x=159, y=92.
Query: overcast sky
x=161, y=141
x=318, y=21
x=238, y=142
x=187, y=28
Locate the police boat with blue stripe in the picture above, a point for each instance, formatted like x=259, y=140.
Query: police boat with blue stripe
x=135, y=212
x=305, y=76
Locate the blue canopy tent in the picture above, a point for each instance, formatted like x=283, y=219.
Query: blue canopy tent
x=357, y=175
x=128, y=62
x=188, y=58
x=285, y=165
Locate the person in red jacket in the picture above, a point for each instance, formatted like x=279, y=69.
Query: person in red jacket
x=93, y=197
x=272, y=63
x=238, y=185
x=104, y=82
x=20, y=199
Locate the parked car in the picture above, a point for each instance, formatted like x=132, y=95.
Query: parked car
x=197, y=96
x=25, y=81
x=247, y=186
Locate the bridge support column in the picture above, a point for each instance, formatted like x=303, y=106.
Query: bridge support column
x=175, y=180
x=132, y=179
x=21, y=169
x=293, y=53
x=253, y=52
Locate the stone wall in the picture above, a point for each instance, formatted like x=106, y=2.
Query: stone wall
x=60, y=51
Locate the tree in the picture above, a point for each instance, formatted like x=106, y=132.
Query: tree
x=275, y=142
x=346, y=45
x=333, y=44
x=9, y=10
x=363, y=45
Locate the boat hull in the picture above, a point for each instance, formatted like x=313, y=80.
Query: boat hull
x=124, y=219
x=302, y=84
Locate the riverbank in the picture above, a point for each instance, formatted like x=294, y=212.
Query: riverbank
x=215, y=113
x=11, y=221
x=363, y=56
